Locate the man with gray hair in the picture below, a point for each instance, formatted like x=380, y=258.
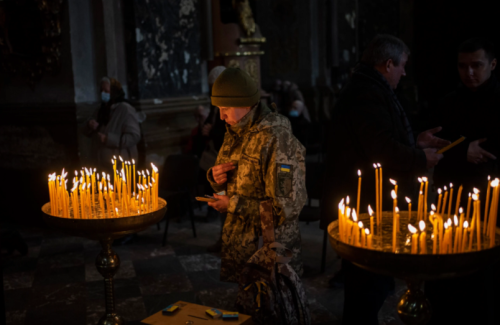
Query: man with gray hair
x=370, y=126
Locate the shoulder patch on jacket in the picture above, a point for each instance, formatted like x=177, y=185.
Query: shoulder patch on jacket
x=284, y=180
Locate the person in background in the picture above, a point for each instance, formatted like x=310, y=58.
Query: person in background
x=197, y=141
x=115, y=125
x=369, y=125
x=472, y=111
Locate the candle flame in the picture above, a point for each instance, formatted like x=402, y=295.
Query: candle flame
x=100, y=186
x=114, y=157
x=379, y=165
x=419, y=180
x=466, y=224
x=347, y=200
x=147, y=171
x=105, y=189
x=116, y=209
x=83, y=187
x=375, y=166
x=110, y=187
x=455, y=220
x=469, y=194
x=354, y=215
x=433, y=207
x=108, y=178
x=367, y=231
x=449, y=222
x=396, y=209
x=394, y=195
x=489, y=177
x=112, y=161
x=370, y=210
x=451, y=185
x=439, y=191
x=421, y=225
x=476, y=191
x=474, y=197
x=359, y=173
x=407, y=199
x=133, y=161
x=393, y=182
x=431, y=213
x=360, y=224
x=424, y=179
x=446, y=226
x=460, y=210
x=121, y=159
x=420, y=192
x=495, y=182
x=412, y=229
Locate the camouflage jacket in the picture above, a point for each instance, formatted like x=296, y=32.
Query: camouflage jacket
x=270, y=166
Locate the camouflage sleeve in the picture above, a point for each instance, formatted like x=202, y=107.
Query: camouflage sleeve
x=217, y=187
x=283, y=173
x=285, y=176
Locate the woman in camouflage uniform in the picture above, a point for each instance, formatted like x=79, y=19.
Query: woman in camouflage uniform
x=259, y=160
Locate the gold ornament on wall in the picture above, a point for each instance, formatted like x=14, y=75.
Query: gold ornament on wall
x=245, y=16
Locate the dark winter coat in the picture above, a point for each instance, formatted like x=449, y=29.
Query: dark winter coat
x=368, y=126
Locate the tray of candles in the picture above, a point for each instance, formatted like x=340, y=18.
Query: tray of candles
x=425, y=244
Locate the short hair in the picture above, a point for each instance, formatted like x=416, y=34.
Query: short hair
x=382, y=48
x=476, y=44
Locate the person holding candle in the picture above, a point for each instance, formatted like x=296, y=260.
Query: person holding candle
x=369, y=125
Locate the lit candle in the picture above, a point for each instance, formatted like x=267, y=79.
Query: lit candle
x=457, y=231
x=370, y=212
x=468, y=206
x=368, y=239
x=486, y=207
x=478, y=228
x=474, y=221
x=435, y=224
x=492, y=221
x=380, y=183
x=464, y=236
x=341, y=219
x=393, y=182
x=414, y=239
x=354, y=231
x=425, y=197
x=440, y=197
x=394, y=205
x=445, y=200
x=409, y=207
x=359, y=189
x=420, y=205
x=377, y=188
x=423, y=246
x=451, y=200
x=445, y=245
x=133, y=166
x=459, y=194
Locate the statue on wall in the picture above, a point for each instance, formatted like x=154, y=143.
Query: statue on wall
x=30, y=38
x=245, y=16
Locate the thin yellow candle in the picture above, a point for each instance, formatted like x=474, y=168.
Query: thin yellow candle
x=460, y=228
x=394, y=206
x=133, y=172
x=473, y=223
x=368, y=237
x=459, y=194
x=468, y=206
x=409, y=207
x=380, y=183
x=478, y=226
x=341, y=220
x=440, y=197
x=359, y=189
x=361, y=234
x=435, y=224
x=377, y=202
x=393, y=182
x=414, y=239
x=354, y=225
x=492, y=222
x=486, y=207
x=455, y=240
x=451, y=200
x=423, y=245
x=370, y=212
x=425, y=197
x=464, y=236
x=445, y=200
x=420, y=206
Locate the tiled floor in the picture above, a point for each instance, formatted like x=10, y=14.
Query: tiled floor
x=57, y=282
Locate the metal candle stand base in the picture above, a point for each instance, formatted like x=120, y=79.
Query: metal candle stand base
x=413, y=308
x=106, y=231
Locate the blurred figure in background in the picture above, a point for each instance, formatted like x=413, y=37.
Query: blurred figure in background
x=198, y=141
x=115, y=125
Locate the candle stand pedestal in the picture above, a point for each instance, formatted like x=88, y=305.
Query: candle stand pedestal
x=106, y=231
x=413, y=308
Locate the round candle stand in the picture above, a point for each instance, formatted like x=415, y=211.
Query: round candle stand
x=413, y=308
x=106, y=231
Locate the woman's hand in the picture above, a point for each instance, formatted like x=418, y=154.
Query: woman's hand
x=221, y=204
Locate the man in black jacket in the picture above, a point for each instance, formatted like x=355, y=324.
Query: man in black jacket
x=473, y=111
x=370, y=126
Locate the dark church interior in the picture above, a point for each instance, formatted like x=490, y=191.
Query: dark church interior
x=234, y=113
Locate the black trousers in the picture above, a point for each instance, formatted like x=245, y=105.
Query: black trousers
x=364, y=294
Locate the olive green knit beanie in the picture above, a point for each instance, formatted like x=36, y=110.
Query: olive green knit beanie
x=234, y=88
